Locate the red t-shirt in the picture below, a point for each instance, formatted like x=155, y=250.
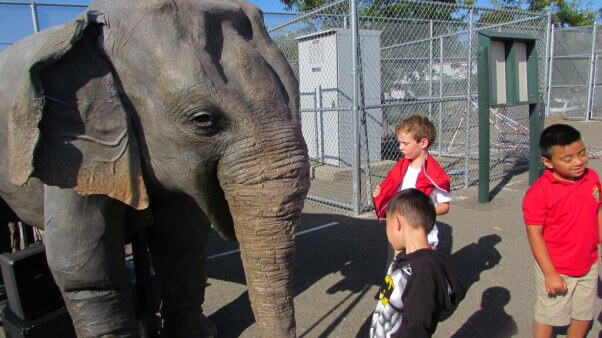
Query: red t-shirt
x=568, y=212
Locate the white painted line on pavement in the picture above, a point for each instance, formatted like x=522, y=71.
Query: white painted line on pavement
x=223, y=254
x=300, y=233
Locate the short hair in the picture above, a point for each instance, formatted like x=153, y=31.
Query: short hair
x=415, y=206
x=419, y=126
x=557, y=135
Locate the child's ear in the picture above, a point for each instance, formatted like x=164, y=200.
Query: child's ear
x=424, y=143
x=547, y=162
x=398, y=223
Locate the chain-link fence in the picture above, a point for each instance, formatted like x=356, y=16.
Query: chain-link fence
x=576, y=73
x=18, y=20
x=413, y=57
x=362, y=68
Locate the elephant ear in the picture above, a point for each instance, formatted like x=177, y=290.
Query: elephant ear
x=69, y=124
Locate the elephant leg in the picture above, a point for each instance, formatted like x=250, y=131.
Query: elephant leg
x=85, y=251
x=178, y=247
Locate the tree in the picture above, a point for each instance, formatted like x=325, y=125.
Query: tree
x=303, y=5
x=565, y=13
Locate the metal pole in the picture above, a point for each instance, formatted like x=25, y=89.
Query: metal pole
x=535, y=130
x=534, y=154
x=591, y=76
x=34, y=17
x=550, y=72
x=440, y=132
x=594, y=85
x=355, y=109
x=484, y=130
x=468, y=101
x=535, y=118
x=321, y=113
x=317, y=124
x=431, y=68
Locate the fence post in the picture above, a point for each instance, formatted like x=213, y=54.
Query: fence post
x=535, y=171
x=321, y=119
x=317, y=123
x=469, y=101
x=355, y=108
x=440, y=132
x=431, y=32
x=592, y=80
x=34, y=17
x=550, y=73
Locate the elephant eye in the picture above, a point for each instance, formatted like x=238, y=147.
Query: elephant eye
x=202, y=118
x=204, y=121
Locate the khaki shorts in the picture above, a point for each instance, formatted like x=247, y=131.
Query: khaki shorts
x=578, y=302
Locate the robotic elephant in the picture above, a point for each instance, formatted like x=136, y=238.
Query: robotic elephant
x=183, y=109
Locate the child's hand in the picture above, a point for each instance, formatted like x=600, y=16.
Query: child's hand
x=376, y=191
x=555, y=284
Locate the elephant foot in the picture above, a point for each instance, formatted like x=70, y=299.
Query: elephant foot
x=195, y=325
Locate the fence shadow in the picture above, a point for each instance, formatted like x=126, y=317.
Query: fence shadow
x=517, y=169
x=354, y=248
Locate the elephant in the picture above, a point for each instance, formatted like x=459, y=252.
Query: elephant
x=175, y=115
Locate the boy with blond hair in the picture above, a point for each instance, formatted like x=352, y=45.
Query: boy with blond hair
x=562, y=215
x=416, y=169
x=419, y=283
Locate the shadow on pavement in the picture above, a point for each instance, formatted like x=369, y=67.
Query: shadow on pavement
x=354, y=247
x=517, y=169
x=234, y=318
x=491, y=320
x=475, y=258
x=468, y=263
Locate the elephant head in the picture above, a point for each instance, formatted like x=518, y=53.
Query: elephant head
x=139, y=99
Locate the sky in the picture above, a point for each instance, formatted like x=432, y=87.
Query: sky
x=277, y=6
x=265, y=5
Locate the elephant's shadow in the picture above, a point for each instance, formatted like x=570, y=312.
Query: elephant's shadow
x=356, y=248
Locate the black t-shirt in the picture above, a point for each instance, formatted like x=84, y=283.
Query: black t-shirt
x=417, y=287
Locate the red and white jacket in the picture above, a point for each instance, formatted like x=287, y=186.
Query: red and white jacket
x=431, y=176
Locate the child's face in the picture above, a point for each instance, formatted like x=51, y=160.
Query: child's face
x=395, y=236
x=409, y=147
x=568, y=162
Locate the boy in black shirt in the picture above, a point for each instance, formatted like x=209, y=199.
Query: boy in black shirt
x=419, y=283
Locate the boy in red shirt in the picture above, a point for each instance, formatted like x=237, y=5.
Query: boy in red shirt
x=416, y=169
x=562, y=217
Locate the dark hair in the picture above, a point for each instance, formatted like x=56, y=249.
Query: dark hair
x=557, y=135
x=415, y=206
x=419, y=126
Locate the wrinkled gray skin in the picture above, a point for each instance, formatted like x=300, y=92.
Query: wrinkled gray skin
x=182, y=110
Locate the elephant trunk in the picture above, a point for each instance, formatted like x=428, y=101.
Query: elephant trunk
x=265, y=223
x=268, y=270
x=265, y=216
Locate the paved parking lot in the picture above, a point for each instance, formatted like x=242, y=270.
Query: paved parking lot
x=341, y=261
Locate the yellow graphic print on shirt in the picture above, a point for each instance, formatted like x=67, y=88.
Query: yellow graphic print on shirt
x=596, y=193
x=386, y=290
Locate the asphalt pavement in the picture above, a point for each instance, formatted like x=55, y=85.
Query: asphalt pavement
x=341, y=259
